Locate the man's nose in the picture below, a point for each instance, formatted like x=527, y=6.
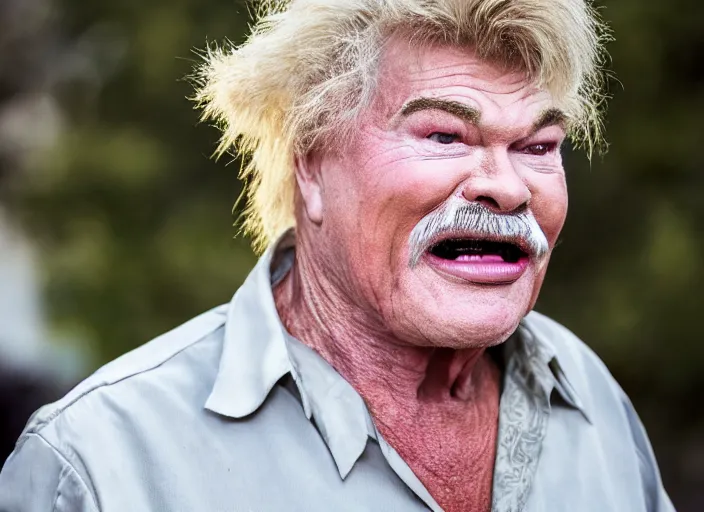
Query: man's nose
x=497, y=186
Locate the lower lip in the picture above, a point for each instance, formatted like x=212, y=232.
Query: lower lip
x=482, y=270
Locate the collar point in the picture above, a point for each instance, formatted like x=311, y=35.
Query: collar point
x=231, y=408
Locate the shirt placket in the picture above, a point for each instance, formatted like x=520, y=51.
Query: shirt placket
x=523, y=419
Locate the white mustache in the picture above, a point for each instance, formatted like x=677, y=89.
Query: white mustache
x=457, y=217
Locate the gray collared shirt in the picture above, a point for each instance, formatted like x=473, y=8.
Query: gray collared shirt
x=229, y=413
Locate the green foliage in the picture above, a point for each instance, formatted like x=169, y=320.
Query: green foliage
x=133, y=217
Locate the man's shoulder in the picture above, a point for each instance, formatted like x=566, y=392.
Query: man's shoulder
x=563, y=339
x=188, y=352
x=583, y=367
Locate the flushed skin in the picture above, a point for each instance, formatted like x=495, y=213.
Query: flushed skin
x=412, y=340
x=311, y=65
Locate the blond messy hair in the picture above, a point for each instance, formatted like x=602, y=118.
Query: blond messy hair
x=309, y=68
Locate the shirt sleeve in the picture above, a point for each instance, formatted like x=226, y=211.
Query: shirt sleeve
x=37, y=478
x=656, y=497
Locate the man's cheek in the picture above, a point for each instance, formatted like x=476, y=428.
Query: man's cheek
x=551, y=212
x=557, y=220
x=552, y=226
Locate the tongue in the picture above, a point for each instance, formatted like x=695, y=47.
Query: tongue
x=480, y=258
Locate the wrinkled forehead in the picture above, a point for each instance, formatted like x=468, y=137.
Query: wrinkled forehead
x=408, y=72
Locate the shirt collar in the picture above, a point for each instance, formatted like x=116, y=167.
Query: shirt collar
x=258, y=352
x=550, y=362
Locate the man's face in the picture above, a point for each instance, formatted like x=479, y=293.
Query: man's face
x=445, y=128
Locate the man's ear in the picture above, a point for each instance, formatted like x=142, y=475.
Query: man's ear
x=310, y=183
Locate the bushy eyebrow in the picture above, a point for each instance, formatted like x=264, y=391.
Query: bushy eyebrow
x=548, y=117
x=465, y=112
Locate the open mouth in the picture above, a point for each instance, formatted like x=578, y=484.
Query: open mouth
x=489, y=262
x=478, y=251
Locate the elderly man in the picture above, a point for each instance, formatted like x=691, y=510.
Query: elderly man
x=381, y=356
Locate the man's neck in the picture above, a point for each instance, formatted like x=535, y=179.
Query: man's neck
x=379, y=366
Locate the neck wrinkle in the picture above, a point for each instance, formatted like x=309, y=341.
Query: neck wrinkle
x=390, y=375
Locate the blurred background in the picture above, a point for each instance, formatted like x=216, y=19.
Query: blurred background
x=115, y=224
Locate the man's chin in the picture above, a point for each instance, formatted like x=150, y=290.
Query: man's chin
x=478, y=319
x=458, y=313
x=478, y=331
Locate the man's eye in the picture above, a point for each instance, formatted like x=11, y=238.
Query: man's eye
x=539, y=149
x=443, y=138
